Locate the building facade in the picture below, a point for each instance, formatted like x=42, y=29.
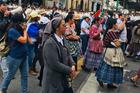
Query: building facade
x=85, y=5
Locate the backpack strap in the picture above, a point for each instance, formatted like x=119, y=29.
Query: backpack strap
x=3, y=37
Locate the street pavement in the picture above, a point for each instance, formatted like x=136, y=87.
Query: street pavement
x=90, y=85
x=84, y=83
x=14, y=86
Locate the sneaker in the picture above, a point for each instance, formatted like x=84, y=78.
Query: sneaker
x=83, y=67
x=35, y=70
x=32, y=73
x=95, y=69
x=40, y=84
x=111, y=86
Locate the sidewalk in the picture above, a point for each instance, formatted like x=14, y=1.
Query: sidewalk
x=90, y=85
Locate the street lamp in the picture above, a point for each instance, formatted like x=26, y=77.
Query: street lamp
x=81, y=5
x=117, y=5
x=88, y=6
x=71, y=4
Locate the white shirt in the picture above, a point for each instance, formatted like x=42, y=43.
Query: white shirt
x=84, y=25
x=44, y=20
x=59, y=39
x=123, y=36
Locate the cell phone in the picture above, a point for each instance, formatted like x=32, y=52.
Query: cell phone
x=112, y=43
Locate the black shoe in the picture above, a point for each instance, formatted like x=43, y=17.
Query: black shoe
x=95, y=69
x=111, y=86
x=40, y=84
x=38, y=78
x=13, y=78
x=83, y=67
x=100, y=83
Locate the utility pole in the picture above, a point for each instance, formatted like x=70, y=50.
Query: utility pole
x=19, y=2
x=88, y=5
x=117, y=5
x=81, y=5
x=124, y=3
x=71, y=4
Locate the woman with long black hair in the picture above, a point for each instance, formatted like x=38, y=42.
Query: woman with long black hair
x=17, y=56
x=72, y=38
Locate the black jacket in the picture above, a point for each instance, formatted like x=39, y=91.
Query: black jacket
x=4, y=21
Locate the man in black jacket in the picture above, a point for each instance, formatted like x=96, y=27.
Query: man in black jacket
x=4, y=17
x=4, y=21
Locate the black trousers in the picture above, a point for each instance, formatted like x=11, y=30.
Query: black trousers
x=40, y=57
x=68, y=90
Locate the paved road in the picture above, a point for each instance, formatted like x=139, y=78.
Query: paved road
x=91, y=86
x=14, y=86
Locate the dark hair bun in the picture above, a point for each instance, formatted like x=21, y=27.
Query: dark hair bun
x=18, y=18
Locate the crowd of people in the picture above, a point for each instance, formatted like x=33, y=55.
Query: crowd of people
x=56, y=39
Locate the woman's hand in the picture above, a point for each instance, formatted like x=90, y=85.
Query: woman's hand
x=23, y=39
x=76, y=37
x=7, y=13
x=73, y=72
x=71, y=37
x=117, y=42
x=73, y=68
x=24, y=26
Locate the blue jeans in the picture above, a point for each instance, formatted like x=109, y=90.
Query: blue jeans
x=31, y=54
x=4, y=66
x=84, y=39
x=123, y=46
x=13, y=65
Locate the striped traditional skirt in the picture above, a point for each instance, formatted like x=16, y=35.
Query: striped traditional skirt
x=92, y=59
x=108, y=74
